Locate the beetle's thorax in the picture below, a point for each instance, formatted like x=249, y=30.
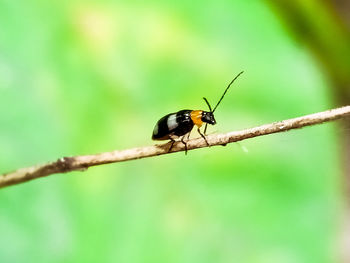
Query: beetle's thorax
x=196, y=116
x=199, y=117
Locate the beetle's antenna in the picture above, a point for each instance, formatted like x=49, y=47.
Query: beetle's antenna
x=207, y=103
x=227, y=90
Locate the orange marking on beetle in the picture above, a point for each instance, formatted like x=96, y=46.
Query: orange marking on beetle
x=196, y=116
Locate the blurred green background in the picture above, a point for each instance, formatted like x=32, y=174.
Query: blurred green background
x=83, y=77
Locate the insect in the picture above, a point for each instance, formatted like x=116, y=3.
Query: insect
x=179, y=124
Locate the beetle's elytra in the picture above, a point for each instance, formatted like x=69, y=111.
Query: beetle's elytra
x=179, y=124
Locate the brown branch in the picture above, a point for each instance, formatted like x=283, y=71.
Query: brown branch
x=68, y=164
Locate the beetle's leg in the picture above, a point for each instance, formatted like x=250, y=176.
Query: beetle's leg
x=205, y=129
x=199, y=131
x=188, y=136
x=172, y=144
x=182, y=140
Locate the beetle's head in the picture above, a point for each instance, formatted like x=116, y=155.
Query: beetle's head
x=208, y=117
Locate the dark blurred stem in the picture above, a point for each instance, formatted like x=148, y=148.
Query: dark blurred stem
x=324, y=26
x=81, y=163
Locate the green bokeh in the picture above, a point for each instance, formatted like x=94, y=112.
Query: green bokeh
x=80, y=77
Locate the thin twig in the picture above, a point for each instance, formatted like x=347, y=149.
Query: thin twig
x=81, y=163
